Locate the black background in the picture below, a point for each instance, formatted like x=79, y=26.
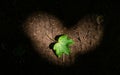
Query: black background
x=18, y=57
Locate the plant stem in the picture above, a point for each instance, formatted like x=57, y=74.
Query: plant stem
x=50, y=37
x=63, y=58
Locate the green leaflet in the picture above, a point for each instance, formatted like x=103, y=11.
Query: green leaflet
x=62, y=46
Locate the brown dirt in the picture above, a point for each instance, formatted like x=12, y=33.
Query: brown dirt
x=87, y=34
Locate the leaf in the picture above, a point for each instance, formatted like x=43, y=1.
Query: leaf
x=62, y=46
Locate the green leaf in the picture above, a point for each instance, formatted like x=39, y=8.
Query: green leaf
x=62, y=46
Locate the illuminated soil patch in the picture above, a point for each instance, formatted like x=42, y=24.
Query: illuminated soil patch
x=41, y=28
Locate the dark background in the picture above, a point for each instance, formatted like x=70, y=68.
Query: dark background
x=18, y=57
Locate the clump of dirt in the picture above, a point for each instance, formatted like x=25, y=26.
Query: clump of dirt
x=42, y=28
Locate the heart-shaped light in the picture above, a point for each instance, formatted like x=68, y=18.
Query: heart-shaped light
x=42, y=28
